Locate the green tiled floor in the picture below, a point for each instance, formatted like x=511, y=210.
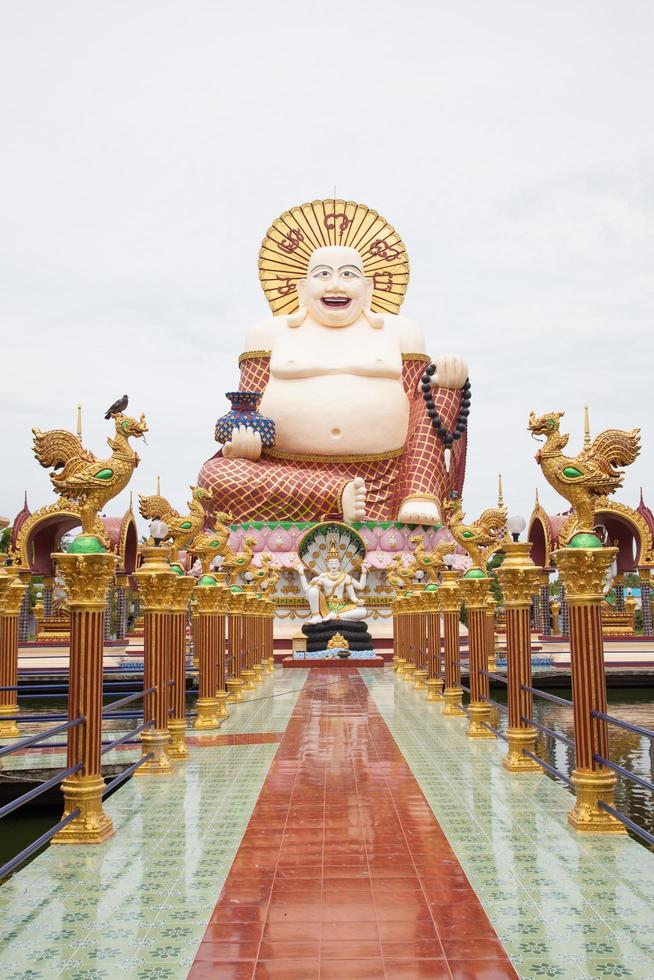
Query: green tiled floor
x=138, y=905
x=564, y=906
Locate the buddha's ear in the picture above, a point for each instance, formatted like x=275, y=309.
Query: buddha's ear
x=374, y=319
x=299, y=316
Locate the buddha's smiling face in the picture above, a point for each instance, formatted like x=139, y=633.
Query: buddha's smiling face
x=336, y=290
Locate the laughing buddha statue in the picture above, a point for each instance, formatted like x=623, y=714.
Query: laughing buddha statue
x=342, y=377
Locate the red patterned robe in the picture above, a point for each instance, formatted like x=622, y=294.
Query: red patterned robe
x=292, y=487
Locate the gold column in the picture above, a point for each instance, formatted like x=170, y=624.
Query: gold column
x=434, y=681
x=421, y=672
x=256, y=664
x=247, y=636
x=155, y=581
x=411, y=637
x=399, y=634
x=12, y=591
x=491, y=605
x=234, y=620
x=583, y=566
x=519, y=578
x=474, y=590
x=450, y=602
x=87, y=578
x=221, y=680
x=208, y=599
x=270, y=633
x=180, y=595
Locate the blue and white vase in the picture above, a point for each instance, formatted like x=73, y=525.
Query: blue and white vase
x=244, y=412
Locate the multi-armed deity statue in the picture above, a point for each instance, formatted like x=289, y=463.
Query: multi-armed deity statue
x=356, y=422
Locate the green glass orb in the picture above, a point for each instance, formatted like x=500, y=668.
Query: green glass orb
x=236, y=588
x=177, y=569
x=207, y=580
x=432, y=587
x=474, y=573
x=585, y=540
x=86, y=544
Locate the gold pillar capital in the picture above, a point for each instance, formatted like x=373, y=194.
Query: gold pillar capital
x=12, y=591
x=518, y=576
x=87, y=578
x=207, y=599
x=583, y=571
x=474, y=591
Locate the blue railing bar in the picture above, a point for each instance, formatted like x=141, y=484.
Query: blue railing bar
x=496, y=677
x=548, y=697
x=626, y=821
x=548, y=767
x=43, y=718
x=132, y=697
x=464, y=688
x=495, y=731
x=190, y=714
x=126, y=773
x=624, y=772
x=126, y=737
x=548, y=731
x=34, y=739
x=497, y=704
x=23, y=855
x=62, y=695
x=38, y=790
x=49, y=687
x=624, y=724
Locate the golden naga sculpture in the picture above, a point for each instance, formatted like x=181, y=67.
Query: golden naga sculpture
x=79, y=476
x=266, y=576
x=182, y=528
x=400, y=575
x=582, y=480
x=479, y=538
x=431, y=562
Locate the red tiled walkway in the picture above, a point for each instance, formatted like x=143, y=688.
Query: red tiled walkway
x=343, y=870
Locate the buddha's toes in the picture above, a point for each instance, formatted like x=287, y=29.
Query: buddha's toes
x=353, y=500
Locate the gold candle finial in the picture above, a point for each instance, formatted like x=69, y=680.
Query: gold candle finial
x=537, y=501
x=158, y=486
x=500, y=494
x=79, y=422
x=586, y=427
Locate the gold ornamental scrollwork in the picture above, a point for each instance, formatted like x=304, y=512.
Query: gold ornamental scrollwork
x=11, y=596
x=155, y=590
x=584, y=570
x=474, y=592
x=86, y=577
x=519, y=585
x=207, y=599
x=181, y=590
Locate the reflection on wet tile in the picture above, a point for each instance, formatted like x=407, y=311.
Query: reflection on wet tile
x=563, y=906
x=139, y=904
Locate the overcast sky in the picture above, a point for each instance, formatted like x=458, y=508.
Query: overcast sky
x=145, y=147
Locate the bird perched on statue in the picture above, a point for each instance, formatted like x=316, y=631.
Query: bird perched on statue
x=118, y=406
x=83, y=478
x=181, y=528
x=480, y=537
x=582, y=479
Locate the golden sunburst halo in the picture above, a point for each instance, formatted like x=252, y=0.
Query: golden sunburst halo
x=290, y=240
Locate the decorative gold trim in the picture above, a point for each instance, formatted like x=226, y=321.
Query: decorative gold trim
x=326, y=458
x=251, y=354
x=294, y=236
x=417, y=357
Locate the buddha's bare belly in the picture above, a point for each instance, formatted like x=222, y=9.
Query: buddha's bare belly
x=337, y=414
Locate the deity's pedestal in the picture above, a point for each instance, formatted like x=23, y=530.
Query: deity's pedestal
x=319, y=634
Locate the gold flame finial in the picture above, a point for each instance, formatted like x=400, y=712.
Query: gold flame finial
x=158, y=486
x=500, y=494
x=79, y=422
x=586, y=427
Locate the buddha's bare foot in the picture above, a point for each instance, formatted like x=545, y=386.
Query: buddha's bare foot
x=416, y=511
x=353, y=500
x=314, y=619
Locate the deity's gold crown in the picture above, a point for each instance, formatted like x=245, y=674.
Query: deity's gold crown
x=333, y=552
x=291, y=239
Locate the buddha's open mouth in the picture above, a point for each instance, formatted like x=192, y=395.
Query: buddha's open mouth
x=336, y=302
